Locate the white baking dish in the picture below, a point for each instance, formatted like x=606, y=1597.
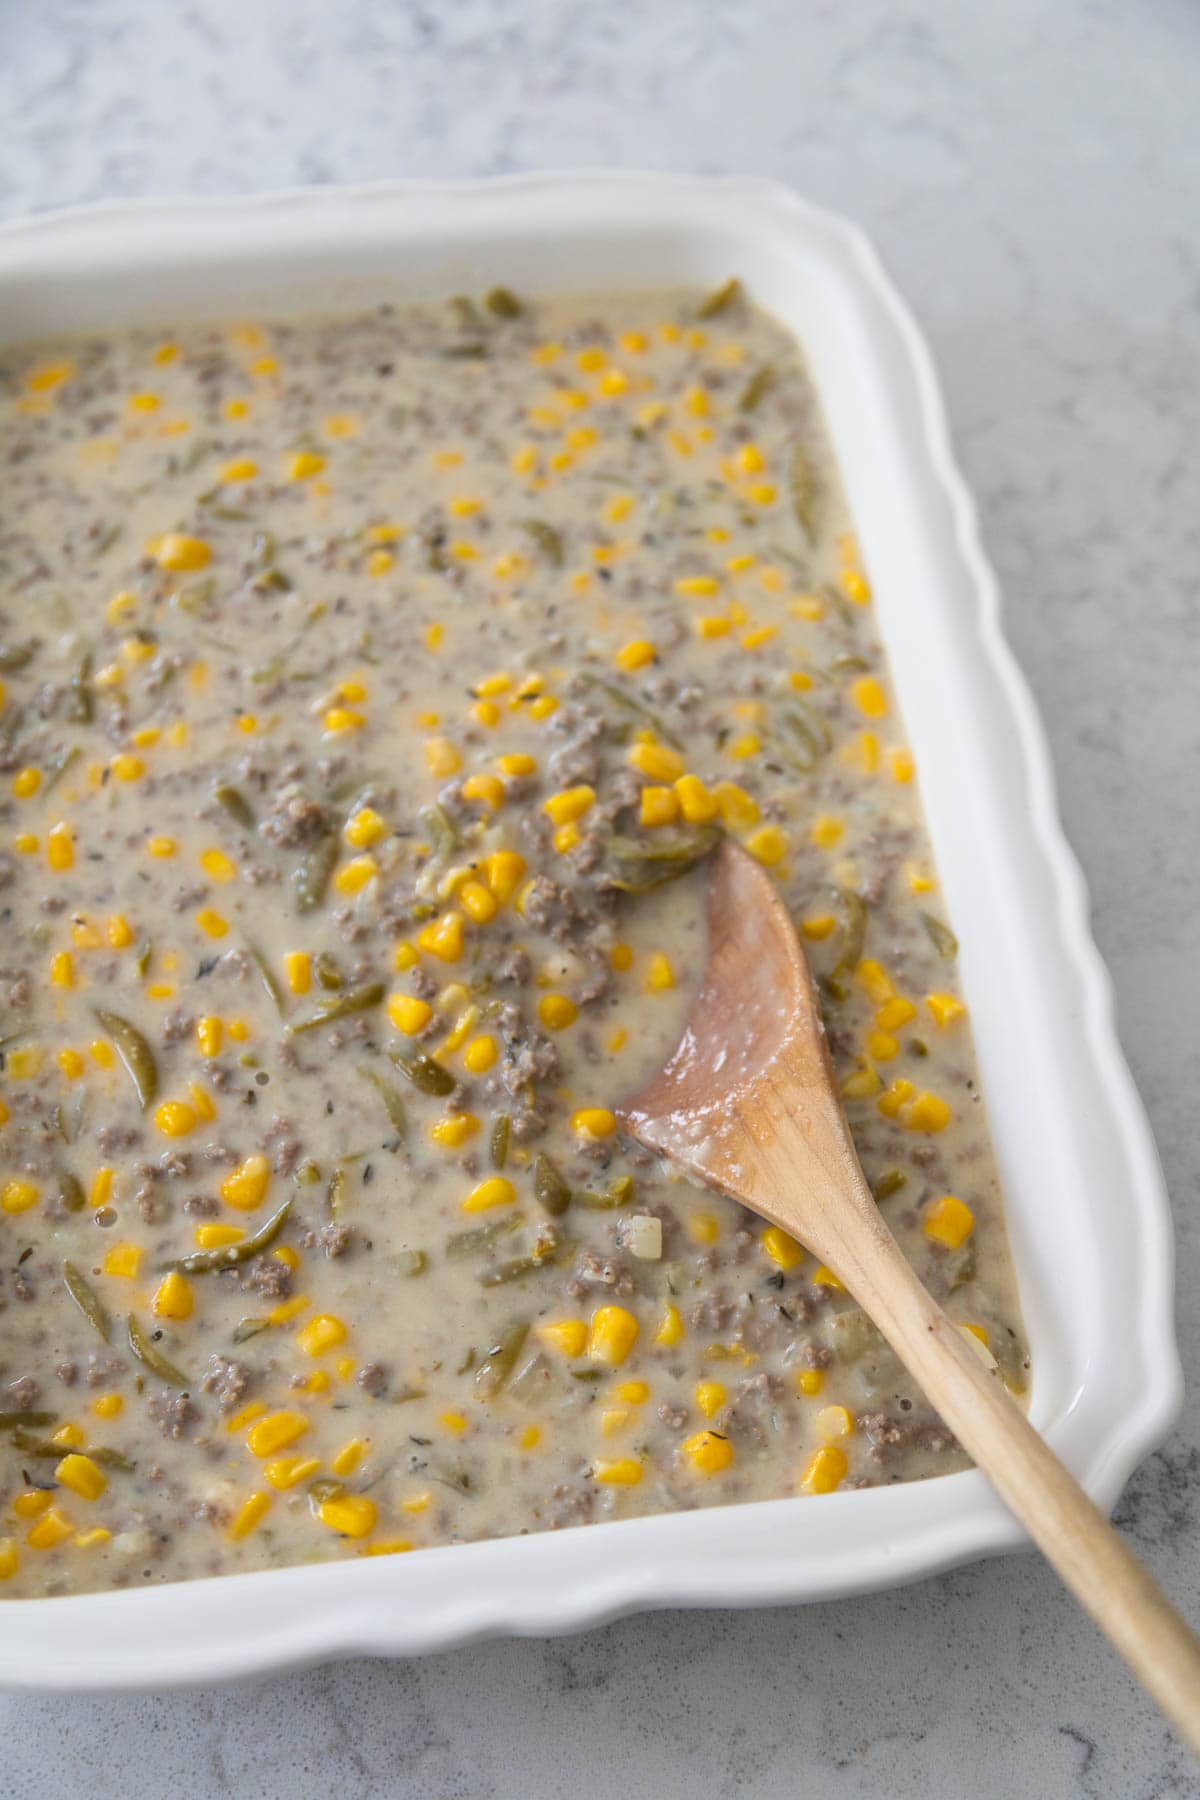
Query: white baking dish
x=1087, y=1211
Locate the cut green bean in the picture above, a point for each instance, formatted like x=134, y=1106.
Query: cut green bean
x=441, y=830
x=498, y=1140
x=266, y=975
x=757, y=388
x=355, y=1000
x=87, y=1300
x=425, y=1074
x=311, y=876
x=940, y=936
x=81, y=706
x=134, y=1052
x=393, y=1104
x=721, y=299
x=151, y=1357
x=57, y=768
x=552, y=1190
x=503, y=303
x=548, y=540
x=803, y=483
x=202, y=1262
x=25, y=1416
x=481, y=1237
x=497, y=1365
x=889, y=1183
x=234, y=802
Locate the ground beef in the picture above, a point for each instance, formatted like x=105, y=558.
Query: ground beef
x=112, y=1139
x=21, y=991
x=295, y=819
x=174, y=1414
x=267, y=1276
x=178, y=1024
x=20, y=1395
x=286, y=1155
x=515, y=969
x=201, y=1206
x=102, y=1368
x=228, y=1380
x=594, y=1271
x=68, y=1373
x=373, y=1379
x=335, y=1239
x=674, y=1416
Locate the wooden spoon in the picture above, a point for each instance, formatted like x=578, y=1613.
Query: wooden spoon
x=748, y=1103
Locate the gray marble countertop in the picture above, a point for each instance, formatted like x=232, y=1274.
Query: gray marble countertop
x=1032, y=176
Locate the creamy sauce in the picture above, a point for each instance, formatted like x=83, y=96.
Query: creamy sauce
x=363, y=678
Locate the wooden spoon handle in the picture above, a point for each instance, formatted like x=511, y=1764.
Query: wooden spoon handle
x=1072, y=1533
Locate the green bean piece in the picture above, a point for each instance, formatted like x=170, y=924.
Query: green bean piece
x=499, y=1139
x=512, y=1270
x=757, y=388
x=410, y=1263
x=142, y=955
x=548, y=540
x=497, y=1365
x=941, y=936
x=308, y=1174
x=847, y=665
x=70, y=1191
x=58, y=767
x=148, y=1353
x=325, y=1488
x=202, y=1262
x=310, y=877
x=109, y=1458
x=16, y=656
x=481, y=1237
x=425, y=1074
x=918, y=1047
x=720, y=299
x=266, y=975
x=630, y=702
x=474, y=350
x=503, y=303
x=438, y=826
x=24, y=1416
x=81, y=705
x=963, y=1267
x=329, y=976
x=354, y=1000
x=465, y=312
x=597, y=1199
x=245, y=1329
x=809, y=736
x=552, y=1190
x=335, y=1193
x=235, y=803
x=645, y=864
x=889, y=1183
x=134, y=1052
x=852, y=911
x=803, y=482
x=29, y=1445
x=405, y=1394
x=393, y=1104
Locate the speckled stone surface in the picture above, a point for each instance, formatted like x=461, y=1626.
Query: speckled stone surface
x=1032, y=176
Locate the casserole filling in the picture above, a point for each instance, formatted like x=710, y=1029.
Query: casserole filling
x=374, y=687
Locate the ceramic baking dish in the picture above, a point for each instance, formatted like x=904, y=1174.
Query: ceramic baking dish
x=1087, y=1212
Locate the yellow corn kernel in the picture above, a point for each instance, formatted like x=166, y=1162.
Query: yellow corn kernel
x=217, y=866
x=349, y=1456
x=52, y=1529
x=635, y=654
x=670, y=1326
x=882, y=1046
x=89, y=1540
x=566, y=838
x=351, y=1515
x=304, y=464
x=869, y=697
x=659, y=974
x=566, y=1336
x=71, y=1064
x=874, y=979
x=902, y=765
x=123, y=1260
x=288, y=1310
x=738, y=808
x=286, y=1472
x=442, y=758
x=31, y=1503
x=454, y=1131
x=622, y=957
x=744, y=746
x=60, y=847
x=455, y=1422
x=119, y=932
x=180, y=553
x=826, y=1468
x=245, y=1186
x=825, y=1277
x=486, y=712
x=810, y=1381
x=624, y=1471
x=768, y=845
x=488, y=790
x=49, y=376
x=693, y=587
x=594, y=1122
x=710, y=1397
x=322, y=1332
x=408, y=1014
x=529, y=1439
x=517, y=763
x=856, y=587
x=173, y=1298
x=161, y=847
x=783, y=1250
x=480, y=1054
x=826, y=832
x=81, y=1475
x=708, y=1452
x=25, y=783
x=353, y=876
x=443, y=937
x=405, y=956
x=557, y=1011
x=895, y=1012
x=612, y=1334
x=660, y=806
x=8, y=1559
x=18, y=1196
x=26, y=843
x=69, y=1437
x=928, y=1113
x=898, y=1094
x=127, y=767
x=948, y=1221
x=24, y=1064
x=254, y=1409
x=212, y=923
x=658, y=761
x=697, y=804
x=478, y=902
x=108, y=1406
x=249, y=1515
x=832, y=1423
x=567, y=807
x=945, y=1008
x=275, y=1432
x=62, y=970
x=496, y=1190
x=543, y=706
x=712, y=625
x=101, y=1189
